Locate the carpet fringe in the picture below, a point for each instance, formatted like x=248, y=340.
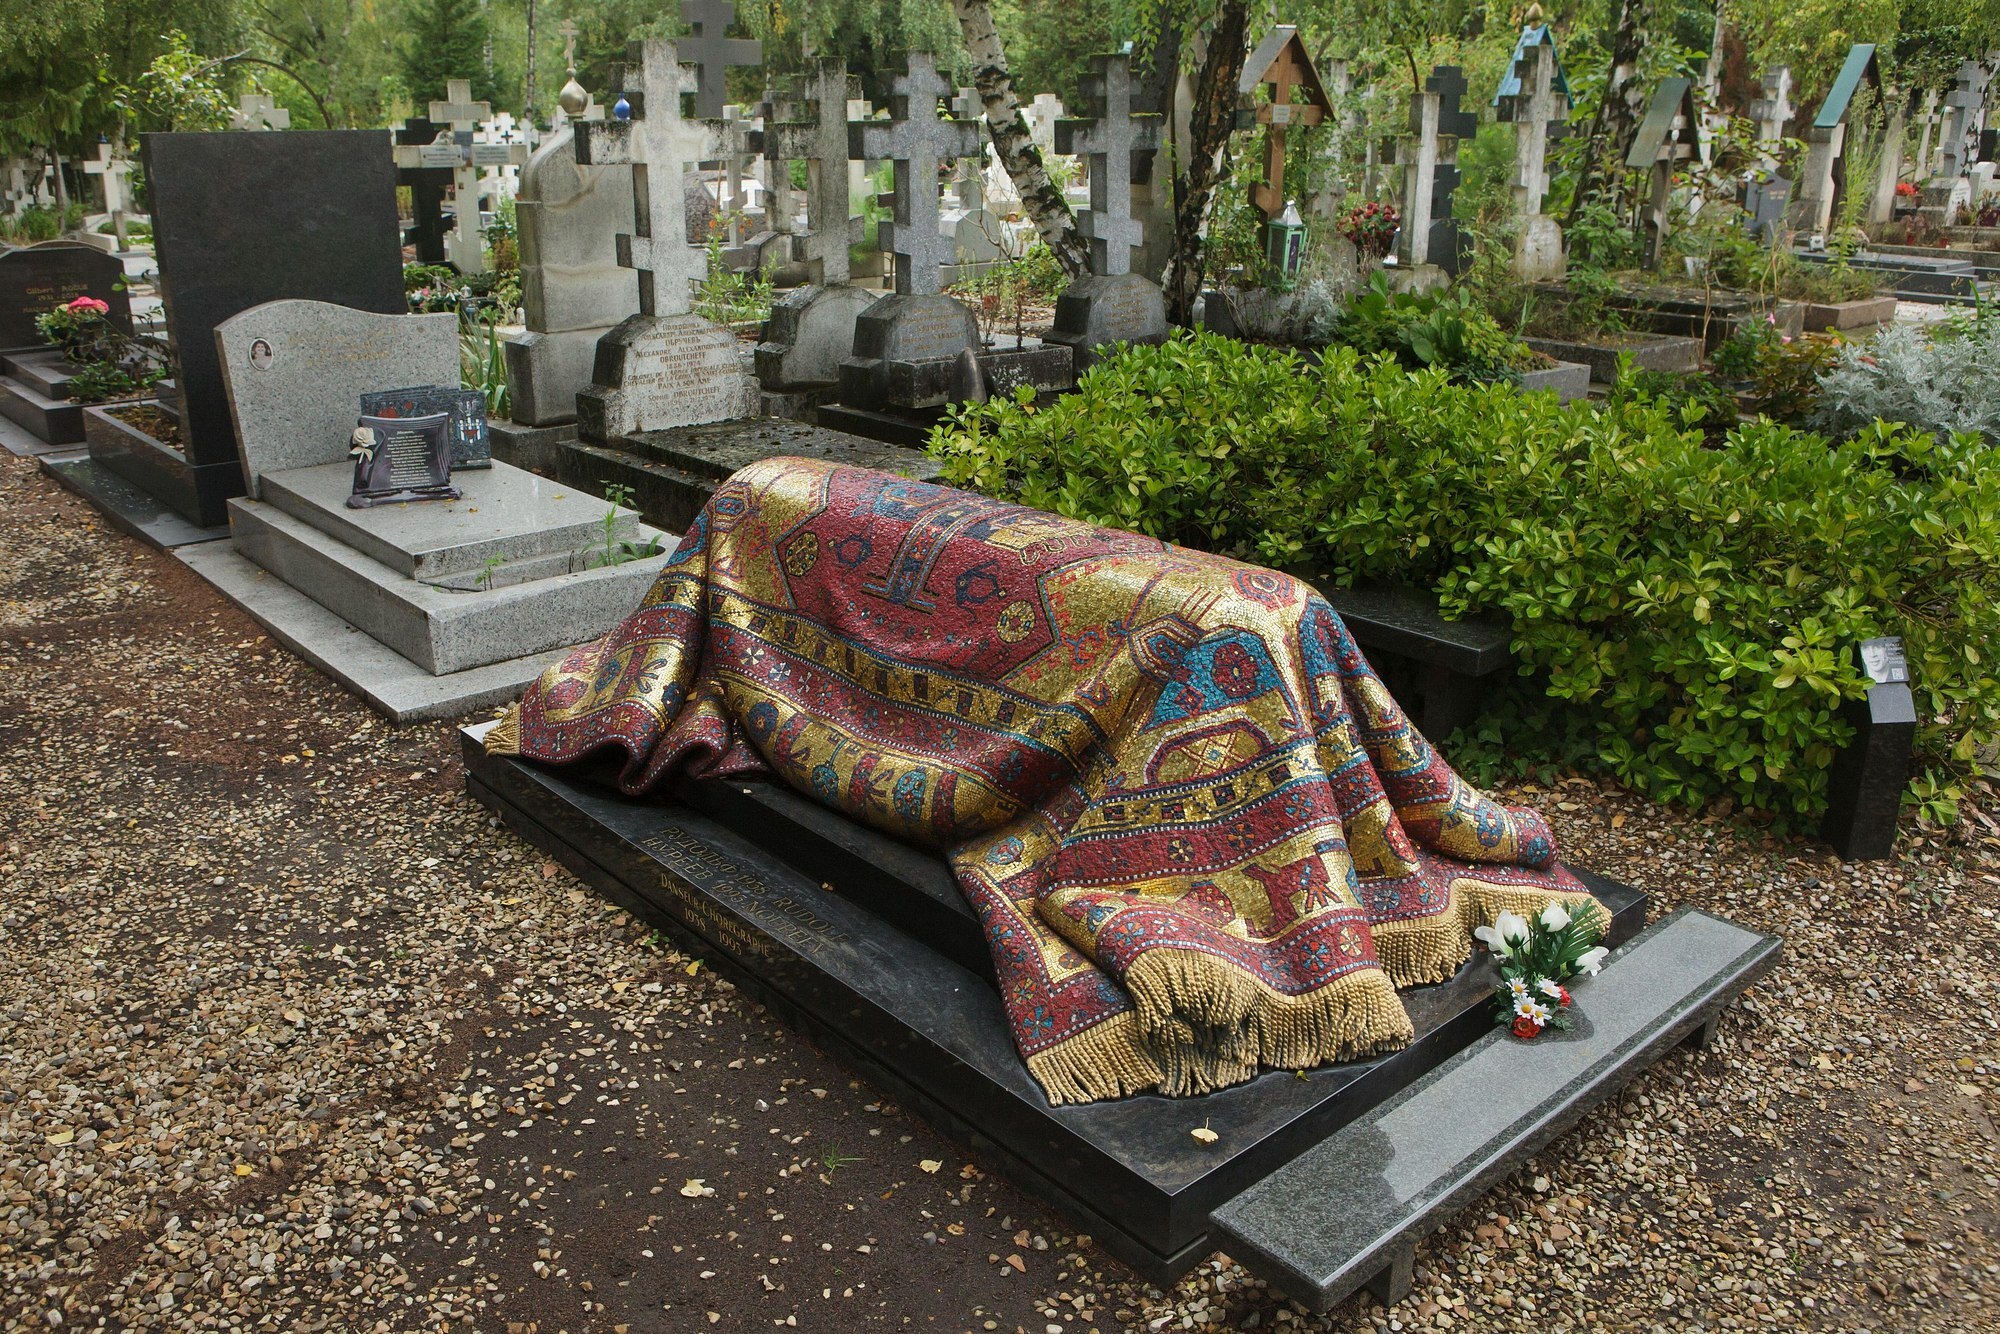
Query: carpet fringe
x=1107, y=1060
x=1423, y=950
x=505, y=738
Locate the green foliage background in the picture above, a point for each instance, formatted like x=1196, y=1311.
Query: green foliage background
x=1687, y=617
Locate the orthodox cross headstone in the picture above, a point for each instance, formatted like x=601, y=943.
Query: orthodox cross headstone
x=658, y=144
x=1772, y=112
x=113, y=168
x=1111, y=304
x=1282, y=64
x=665, y=366
x=1766, y=196
x=256, y=111
x=426, y=168
x=811, y=329
x=1430, y=173
x=1826, y=138
x=1965, y=114
x=774, y=171
x=1115, y=140
x=918, y=141
x=1670, y=135
x=1535, y=97
x=463, y=247
x=820, y=140
x=711, y=51
x=1927, y=119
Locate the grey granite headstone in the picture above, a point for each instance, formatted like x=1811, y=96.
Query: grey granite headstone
x=902, y=329
x=810, y=332
x=573, y=289
x=294, y=373
x=1096, y=311
x=655, y=372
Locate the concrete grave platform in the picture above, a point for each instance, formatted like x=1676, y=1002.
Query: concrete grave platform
x=389, y=682
x=867, y=945
x=450, y=585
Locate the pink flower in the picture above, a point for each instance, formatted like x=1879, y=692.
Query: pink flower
x=89, y=304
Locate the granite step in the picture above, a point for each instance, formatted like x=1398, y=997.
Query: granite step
x=505, y=518
x=53, y=421
x=1349, y=1212
x=48, y=374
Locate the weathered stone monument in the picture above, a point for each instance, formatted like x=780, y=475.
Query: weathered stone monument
x=811, y=329
x=1429, y=157
x=112, y=167
x=459, y=601
x=1766, y=195
x=463, y=246
x=1669, y=135
x=906, y=343
x=1534, y=95
x=664, y=366
x=1821, y=180
x=573, y=289
x=1111, y=304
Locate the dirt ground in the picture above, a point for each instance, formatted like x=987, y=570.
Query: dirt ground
x=294, y=1036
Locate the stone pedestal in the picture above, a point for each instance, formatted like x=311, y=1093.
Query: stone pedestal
x=1538, y=255
x=545, y=373
x=1097, y=312
x=654, y=372
x=899, y=342
x=810, y=332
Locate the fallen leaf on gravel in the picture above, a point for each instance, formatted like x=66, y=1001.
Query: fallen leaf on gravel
x=1020, y=1265
x=62, y=1137
x=694, y=968
x=930, y=1164
x=694, y=1190
x=1204, y=1134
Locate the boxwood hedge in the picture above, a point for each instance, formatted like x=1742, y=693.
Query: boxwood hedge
x=1687, y=614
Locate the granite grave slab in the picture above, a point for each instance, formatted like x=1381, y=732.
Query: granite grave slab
x=855, y=939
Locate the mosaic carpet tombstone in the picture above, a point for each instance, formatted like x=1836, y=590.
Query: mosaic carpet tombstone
x=1199, y=835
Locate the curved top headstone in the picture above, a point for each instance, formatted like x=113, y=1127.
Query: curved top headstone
x=295, y=371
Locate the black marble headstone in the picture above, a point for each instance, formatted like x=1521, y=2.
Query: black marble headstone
x=35, y=279
x=241, y=219
x=1865, y=786
x=427, y=191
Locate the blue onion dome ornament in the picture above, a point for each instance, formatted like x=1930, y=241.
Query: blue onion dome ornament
x=621, y=108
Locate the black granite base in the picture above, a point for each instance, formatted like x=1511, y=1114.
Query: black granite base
x=198, y=494
x=865, y=944
x=53, y=421
x=908, y=429
x=671, y=474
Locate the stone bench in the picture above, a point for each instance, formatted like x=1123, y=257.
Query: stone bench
x=1433, y=666
x=1349, y=1212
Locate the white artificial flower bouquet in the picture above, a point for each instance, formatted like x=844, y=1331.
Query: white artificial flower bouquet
x=1537, y=955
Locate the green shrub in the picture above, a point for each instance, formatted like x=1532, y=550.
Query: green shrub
x=1442, y=329
x=1690, y=615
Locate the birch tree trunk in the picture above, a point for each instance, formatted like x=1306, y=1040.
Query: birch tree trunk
x=1619, y=111
x=1210, y=121
x=1043, y=202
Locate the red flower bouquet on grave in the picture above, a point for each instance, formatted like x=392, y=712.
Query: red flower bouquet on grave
x=1372, y=226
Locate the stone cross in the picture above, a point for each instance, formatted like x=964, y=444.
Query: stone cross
x=256, y=111
x=1772, y=112
x=1965, y=112
x=820, y=140
x=1538, y=111
x=657, y=143
x=918, y=141
x=114, y=169
x=1429, y=156
x=740, y=135
x=1115, y=141
x=1928, y=119
x=463, y=115
x=708, y=48
x=774, y=172
x=1043, y=113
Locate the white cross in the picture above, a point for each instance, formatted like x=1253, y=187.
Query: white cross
x=1538, y=107
x=917, y=140
x=1772, y=112
x=657, y=143
x=114, y=170
x=463, y=115
x=256, y=111
x=1111, y=141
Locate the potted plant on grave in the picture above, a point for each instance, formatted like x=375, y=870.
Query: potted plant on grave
x=1449, y=330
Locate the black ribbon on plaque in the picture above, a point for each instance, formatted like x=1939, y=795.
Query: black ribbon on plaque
x=398, y=459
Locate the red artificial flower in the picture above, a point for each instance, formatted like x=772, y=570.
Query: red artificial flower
x=1565, y=994
x=1524, y=1027
x=90, y=303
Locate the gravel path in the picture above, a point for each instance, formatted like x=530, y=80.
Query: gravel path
x=292, y=1036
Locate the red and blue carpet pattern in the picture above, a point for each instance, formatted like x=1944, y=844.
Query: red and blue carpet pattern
x=1201, y=836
